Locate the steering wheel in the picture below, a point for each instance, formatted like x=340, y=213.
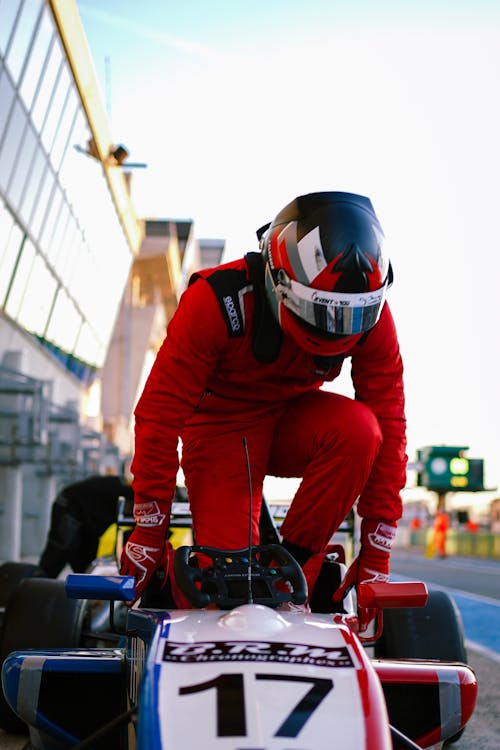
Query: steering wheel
x=242, y=576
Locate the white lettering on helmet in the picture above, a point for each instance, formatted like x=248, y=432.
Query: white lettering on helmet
x=328, y=301
x=316, y=297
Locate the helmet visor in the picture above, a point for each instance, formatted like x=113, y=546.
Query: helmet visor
x=331, y=312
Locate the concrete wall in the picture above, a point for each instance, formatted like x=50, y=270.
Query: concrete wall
x=33, y=360
x=478, y=544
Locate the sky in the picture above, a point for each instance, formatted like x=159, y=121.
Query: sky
x=237, y=107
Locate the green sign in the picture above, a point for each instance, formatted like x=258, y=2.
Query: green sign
x=445, y=468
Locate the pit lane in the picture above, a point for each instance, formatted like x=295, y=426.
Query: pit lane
x=474, y=583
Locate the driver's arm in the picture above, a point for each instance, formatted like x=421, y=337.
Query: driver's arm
x=187, y=357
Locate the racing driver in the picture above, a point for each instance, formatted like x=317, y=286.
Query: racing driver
x=246, y=353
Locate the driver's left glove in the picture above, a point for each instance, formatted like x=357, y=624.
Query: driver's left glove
x=372, y=563
x=146, y=548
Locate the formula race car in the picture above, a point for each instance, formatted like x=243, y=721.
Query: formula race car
x=246, y=665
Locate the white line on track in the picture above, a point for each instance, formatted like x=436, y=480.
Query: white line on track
x=476, y=566
x=461, y=592
x=467, y=564
x=483, y=651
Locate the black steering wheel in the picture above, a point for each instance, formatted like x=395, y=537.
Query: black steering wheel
x=242, y=576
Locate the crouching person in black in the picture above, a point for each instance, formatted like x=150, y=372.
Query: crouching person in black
x=81, y=513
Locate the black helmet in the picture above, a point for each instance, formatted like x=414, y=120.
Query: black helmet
x=326, y=274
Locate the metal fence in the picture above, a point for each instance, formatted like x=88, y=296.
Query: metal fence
x=43, y=446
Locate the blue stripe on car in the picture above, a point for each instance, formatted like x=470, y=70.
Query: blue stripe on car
x=148, y=725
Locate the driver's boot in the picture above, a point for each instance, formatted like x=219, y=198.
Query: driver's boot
x=323, y=572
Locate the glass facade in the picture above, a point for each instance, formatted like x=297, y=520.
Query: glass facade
x=64, y=255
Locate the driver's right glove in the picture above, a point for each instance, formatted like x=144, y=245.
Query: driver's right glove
x=146, y=548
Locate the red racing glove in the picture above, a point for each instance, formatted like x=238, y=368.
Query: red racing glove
x=372, y=563
x=146, y=547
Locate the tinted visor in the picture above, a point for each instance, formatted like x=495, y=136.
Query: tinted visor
x=343, y=313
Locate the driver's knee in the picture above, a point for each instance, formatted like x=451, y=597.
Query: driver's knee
x=320, y=428
x=357, y=432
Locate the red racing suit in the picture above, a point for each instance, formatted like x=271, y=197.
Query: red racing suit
x=212, y=386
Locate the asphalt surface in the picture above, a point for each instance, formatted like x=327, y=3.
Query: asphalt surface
x=475, y=585
x=472, y=574
x=483, y=730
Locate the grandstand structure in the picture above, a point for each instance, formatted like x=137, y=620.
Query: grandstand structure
x=86, y=286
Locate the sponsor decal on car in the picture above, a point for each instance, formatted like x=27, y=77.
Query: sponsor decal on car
x=235, y=651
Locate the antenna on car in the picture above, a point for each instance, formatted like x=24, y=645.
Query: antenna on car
x=249, y=472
